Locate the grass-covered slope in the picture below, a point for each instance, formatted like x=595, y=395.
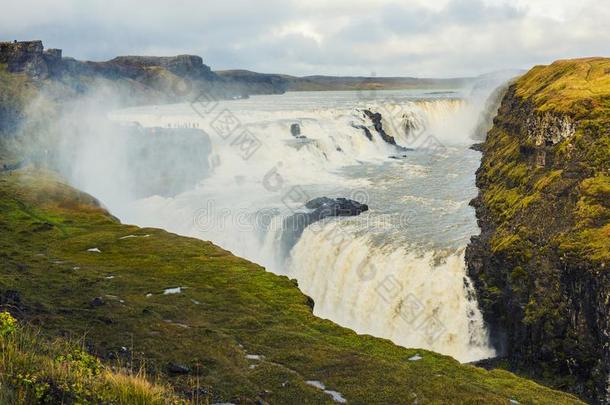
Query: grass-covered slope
x=35, y=369
x=234, y=332
x=541, y=264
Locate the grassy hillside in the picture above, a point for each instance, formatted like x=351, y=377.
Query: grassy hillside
x=233, y=332
x=34, y=369
x=541, y=263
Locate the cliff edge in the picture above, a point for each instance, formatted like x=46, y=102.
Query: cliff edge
x=540, y=264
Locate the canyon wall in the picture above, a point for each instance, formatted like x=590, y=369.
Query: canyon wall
x=540, y=264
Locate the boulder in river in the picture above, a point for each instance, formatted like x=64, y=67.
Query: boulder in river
x=316, y=210
x=295, y=130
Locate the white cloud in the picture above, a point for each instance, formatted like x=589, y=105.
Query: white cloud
x=351, y=37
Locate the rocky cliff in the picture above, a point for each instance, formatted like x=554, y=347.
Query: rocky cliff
x=540, y=264
x=162, y=79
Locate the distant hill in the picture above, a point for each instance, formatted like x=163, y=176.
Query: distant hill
x=280, y=82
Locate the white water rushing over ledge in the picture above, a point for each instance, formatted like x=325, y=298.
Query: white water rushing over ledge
x=396, y=271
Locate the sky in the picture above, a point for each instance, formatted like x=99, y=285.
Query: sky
x=421, y=38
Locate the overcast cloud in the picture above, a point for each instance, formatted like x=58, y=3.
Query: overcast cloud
x=441, y=38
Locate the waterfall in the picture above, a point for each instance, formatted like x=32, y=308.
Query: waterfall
x=396, y=271
x=415, y=299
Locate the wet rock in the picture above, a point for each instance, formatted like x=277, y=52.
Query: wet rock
x=295, y=130
x=367, y=133
x=317, y=209
x=325, y=206
x=477, y=146
x=376, y=120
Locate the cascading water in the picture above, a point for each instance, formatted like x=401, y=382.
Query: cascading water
x=396, y=271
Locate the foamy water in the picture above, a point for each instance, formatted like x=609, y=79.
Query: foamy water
x=397, y=271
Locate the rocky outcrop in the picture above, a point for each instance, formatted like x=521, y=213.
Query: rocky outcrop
x=316, y=210
x=140, y=74
x=295, y=130
x=540, y=264
x=29, y=57
x=366, y=131
x=376, y=118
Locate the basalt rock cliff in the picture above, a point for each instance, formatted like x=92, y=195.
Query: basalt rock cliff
x=172, y=78
x=541, y=262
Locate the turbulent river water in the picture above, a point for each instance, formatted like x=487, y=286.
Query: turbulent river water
x=396, y=271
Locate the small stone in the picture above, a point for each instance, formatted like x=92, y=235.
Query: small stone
x=97, y=302
x=176, y=368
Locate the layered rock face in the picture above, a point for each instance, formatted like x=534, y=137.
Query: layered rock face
x=541, y=263
x=172, y=78
x=30, y=57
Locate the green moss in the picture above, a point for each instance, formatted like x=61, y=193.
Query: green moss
x=506, y=202
x=578, y=87
x=544, y=181
x=229, y=308
x=591, y=236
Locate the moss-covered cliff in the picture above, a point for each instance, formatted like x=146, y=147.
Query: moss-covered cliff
x=541, y=262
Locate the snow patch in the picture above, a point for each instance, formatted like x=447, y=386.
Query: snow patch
x=134, y=236
x=336, y=396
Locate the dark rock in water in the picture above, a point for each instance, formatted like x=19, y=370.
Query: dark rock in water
x=318, y=209
x=176, y=368
x=97, y=302
x=367, y=133
x=295, y=130
x=326, y=207
x=376, y=120
x=398, y=157
x=477, y=146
